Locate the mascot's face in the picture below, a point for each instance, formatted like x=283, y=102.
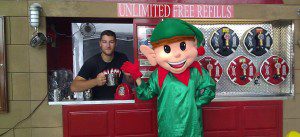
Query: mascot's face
x=176, y=57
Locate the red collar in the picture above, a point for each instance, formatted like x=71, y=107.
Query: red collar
x=182, y=77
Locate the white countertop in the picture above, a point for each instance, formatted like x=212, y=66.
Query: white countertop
x=81, y=102
x=222, y=99
x=217, y=99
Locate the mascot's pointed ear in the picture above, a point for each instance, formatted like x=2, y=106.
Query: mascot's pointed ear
x=149, y=53
x=200, y=49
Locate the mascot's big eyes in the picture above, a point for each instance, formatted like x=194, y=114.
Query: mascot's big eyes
x=182, y=46
x=167, y=48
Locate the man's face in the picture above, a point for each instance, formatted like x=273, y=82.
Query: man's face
x=107, y=45
x=176, y=57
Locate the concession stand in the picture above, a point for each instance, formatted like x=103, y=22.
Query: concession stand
x=249, y=53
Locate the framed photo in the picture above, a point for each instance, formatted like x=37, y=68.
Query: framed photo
x=3, y=87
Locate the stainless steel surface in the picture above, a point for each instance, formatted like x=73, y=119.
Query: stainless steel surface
x=282, y=33
x=59, y=82
x=55, y=95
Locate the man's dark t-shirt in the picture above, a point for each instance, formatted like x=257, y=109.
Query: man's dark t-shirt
x=95, y=65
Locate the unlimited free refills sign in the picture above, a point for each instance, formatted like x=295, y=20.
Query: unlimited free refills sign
x=147, y=10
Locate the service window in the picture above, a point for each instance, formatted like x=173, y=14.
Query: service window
x=86, y=41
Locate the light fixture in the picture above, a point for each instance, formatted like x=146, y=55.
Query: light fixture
x=38, y=39
x=34, y=15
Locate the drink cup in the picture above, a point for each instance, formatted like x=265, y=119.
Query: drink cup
x=111, y=79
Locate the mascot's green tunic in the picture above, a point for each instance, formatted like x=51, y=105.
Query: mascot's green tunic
x=178, y=105
x=180, y=84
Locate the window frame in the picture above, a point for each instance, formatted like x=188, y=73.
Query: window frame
x=3, y=76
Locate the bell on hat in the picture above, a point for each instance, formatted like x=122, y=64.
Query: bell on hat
x=123, y=92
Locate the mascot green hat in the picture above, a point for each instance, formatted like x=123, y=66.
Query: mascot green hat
x=172, y=27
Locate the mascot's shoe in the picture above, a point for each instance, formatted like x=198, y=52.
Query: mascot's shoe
x=293, y=134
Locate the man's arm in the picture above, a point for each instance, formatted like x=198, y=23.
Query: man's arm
x=81, y=84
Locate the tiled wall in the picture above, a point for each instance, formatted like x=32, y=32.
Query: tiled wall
x=291, y=1
x=27, y=78
x=291, y=113
x=27, y=81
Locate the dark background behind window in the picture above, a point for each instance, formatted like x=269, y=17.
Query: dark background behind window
x=124, y=45
x=61, y=56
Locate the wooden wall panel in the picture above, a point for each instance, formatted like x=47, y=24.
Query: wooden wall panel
x=89, y=123
x=134, y=122
x=229, y=121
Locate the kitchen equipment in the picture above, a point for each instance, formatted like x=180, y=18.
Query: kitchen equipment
x=55, y=95
x=59, y=85
x=87, y=95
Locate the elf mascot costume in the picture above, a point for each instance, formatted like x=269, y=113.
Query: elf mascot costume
x=182, y=87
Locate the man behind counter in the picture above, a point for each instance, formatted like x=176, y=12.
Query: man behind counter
x=92, y=74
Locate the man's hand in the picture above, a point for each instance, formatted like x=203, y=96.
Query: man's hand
x=100, y=79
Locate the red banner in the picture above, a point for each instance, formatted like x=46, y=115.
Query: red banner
x=218, y=2
x=145, y=10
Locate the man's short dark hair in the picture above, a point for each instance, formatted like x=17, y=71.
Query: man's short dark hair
x=108, y=33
